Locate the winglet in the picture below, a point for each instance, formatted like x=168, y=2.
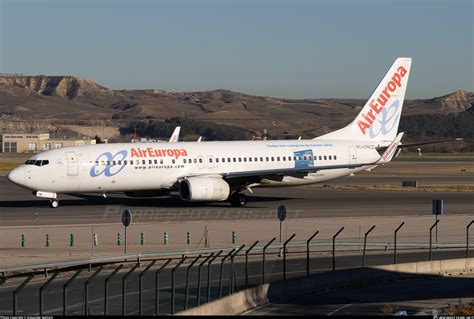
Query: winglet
x=391, y=150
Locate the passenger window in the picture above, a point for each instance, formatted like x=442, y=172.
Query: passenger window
x=267, y=158
x=45, y=162
x=195, y=161
x=143, y=162
x=273, y=159
x=335, y=158
x=161, y=161
x=150, y=162
x=217, y=159
x=250, y=159
x=173, y=161
x=256, y=159
x=278, y=158
x=320, y=158
x=261, y=159
x=235, y=160
x=240, y=159
x=120, y=162
x=155, y=162
x=330, y=157
x=325, y=157
x=210, y=160
x=125, y=162
x=131, y=162
x=294, y=158
x=200, y=160
x=245, y=159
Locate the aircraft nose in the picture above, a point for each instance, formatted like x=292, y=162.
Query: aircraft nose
x=17, y=176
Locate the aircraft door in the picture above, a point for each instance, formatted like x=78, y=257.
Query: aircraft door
x=352, y=155
x=72, y=164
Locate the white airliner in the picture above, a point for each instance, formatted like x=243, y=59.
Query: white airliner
x=219, y=171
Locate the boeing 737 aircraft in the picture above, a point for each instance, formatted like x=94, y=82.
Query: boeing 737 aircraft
x=219, y=171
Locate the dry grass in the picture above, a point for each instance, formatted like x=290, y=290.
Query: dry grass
x=387, y=310
x=8, y=166
x=461, y=309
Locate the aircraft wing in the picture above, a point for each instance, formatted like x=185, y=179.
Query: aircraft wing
x=248, y=177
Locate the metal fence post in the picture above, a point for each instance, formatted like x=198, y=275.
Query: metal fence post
x=157, y=286
x=86, y=290
x=18, y=290
x=395, y=242
x=124, y=288
x=365, y=244
x=232, y=270
x=140, y=287
x=467, y=238
x=198, y=300
x=209, y=275
x=284, y=255
x=173, y=283
x=334, y=248
x=65, y=288
x=247, y=264
x=186, y=298
x=106, y=288
x=222, y=271
x=263, y=258
x=43, y=288
x=307, y=251
x=431, y=239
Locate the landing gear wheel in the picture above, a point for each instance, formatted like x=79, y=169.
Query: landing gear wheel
x=54, y=203
x=238, y=200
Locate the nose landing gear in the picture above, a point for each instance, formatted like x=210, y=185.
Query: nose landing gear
x=54, y=203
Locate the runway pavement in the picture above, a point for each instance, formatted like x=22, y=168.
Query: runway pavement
x=19, y=207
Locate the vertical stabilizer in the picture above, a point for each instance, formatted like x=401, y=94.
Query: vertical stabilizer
x=379, y=118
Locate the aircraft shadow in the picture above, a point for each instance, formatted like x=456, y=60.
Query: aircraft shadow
x=171, y=201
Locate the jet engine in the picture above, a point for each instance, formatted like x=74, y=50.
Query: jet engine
x=196, y=189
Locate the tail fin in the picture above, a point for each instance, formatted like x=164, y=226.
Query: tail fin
x=175, y=136
x=379, y=118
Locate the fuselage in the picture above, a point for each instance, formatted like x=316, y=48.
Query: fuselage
x=128, y=167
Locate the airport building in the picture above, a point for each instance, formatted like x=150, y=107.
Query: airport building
x=30, y=143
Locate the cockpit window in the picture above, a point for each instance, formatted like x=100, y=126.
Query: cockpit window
x=37, y=162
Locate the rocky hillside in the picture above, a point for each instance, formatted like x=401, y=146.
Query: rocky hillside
x=43, y=102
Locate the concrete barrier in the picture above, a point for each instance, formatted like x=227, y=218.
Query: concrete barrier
x=251, y=298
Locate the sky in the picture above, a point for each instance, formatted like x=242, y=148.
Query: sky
x=290, y=49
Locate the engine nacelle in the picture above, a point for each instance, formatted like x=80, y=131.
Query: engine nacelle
x=196, y=189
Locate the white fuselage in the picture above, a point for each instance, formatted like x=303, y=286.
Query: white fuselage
x=127, y=167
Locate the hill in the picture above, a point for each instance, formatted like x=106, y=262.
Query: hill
x=63, y=104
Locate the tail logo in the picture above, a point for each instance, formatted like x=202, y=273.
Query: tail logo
x=388, y=121
x=377, y=107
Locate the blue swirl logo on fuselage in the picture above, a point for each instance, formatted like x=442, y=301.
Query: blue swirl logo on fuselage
x=107, y=164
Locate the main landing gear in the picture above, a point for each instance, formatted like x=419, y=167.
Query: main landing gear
x=54, y=203
x=238, y=200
